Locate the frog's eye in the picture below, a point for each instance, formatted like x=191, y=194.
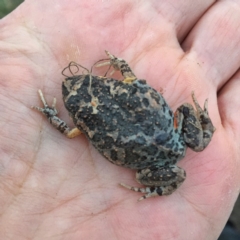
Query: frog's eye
x=162, y=137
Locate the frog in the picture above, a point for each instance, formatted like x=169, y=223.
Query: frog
x=131, y=124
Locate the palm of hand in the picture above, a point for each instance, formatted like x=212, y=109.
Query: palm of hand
x=48, y=180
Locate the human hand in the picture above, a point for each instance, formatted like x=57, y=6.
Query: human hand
x=56, y=188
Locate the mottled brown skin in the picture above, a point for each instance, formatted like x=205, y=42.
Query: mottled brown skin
x=131, y=125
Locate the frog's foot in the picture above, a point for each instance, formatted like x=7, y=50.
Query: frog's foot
x=196, y=124
x=158, y=181
x=51, y=114
x=120, y=65
x=150, y=191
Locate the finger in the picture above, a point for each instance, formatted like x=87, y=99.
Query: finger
x=215, y=42
x=122, y=23
x=229, y=107
x=181, y=15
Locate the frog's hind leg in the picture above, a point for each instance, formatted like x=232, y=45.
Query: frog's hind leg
x=158, y=181
x=120, y=65
x=51, y=114
x=197, y=126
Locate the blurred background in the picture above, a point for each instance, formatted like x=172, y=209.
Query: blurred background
x=6, y=6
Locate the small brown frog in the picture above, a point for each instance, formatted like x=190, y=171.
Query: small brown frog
x=132, y=126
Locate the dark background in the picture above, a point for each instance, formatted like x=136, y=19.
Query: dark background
x=6, y=6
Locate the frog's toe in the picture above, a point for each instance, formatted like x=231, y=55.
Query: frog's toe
x=150, y=191
x=46, y=110
x=158, y=181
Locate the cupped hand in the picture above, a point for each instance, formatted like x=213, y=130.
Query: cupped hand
x=55, y=188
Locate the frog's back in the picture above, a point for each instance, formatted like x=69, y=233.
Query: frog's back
x=130, y=124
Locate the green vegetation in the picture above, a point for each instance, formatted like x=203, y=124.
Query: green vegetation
x=6, y=6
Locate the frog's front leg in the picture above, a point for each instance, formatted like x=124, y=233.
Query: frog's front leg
x=120, y=64
x=51, y=114
x=158, y=181
x=197, y=127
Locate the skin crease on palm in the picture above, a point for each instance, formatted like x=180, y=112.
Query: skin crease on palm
x=52, y=187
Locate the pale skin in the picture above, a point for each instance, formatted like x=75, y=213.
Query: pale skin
x=53, y=187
